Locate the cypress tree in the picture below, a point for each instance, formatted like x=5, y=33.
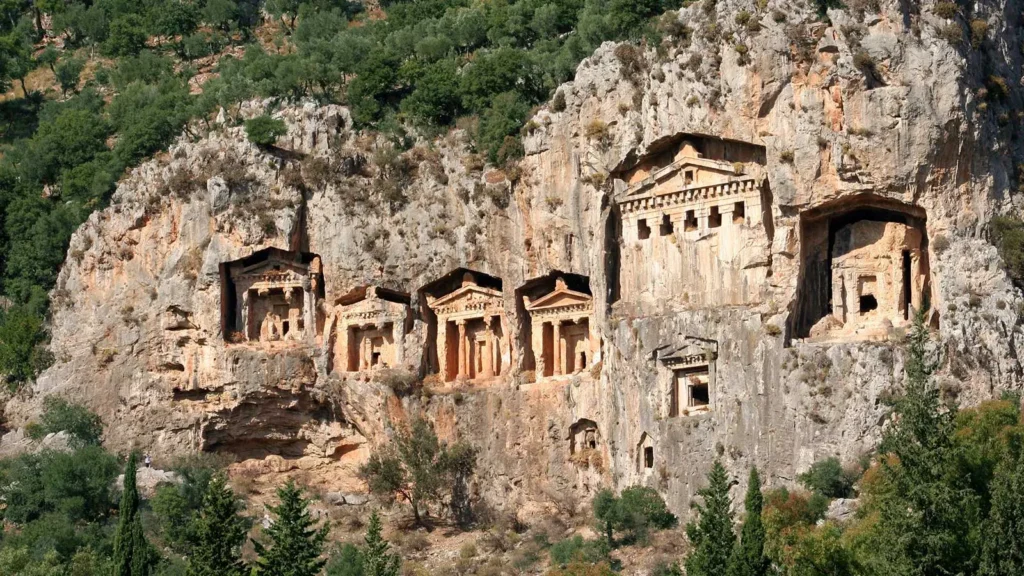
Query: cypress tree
x=133, y=555
x=748, y=557
x=217, y=534
x=377, y=561
x=295, y=542
x=711, y=535
x=1003, y=545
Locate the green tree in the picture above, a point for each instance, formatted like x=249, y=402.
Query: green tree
x=59, y=415
x=928, y=516
x=68, y=71
x=175, y=505
x=711, y=535
x=417, y=468
x=347, y=562
x=133, y=555
x=828, y=478
x=377, y=560
x=264, y=130
x=1003, y=543
x=21, y=332
x=218, y=533
x=127, y=36
x=634, y=512
x=295, y=544
x=748, y=556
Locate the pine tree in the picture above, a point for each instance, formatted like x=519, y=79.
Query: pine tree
x=748, y=557
x=711, y=535
x=295, y=542
x=217, y=533
x=133, y=556
x=377, y=561
x=1003, y=545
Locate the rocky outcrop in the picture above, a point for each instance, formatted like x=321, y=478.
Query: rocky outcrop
x=876, y=115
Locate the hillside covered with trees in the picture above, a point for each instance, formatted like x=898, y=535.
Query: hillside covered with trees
x=119, y=81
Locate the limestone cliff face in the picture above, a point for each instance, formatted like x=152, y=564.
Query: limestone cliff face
x=871, y=118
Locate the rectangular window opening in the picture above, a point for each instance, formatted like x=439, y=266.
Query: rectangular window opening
x=714, y=218
x=643, y=231
x=688, y=177
x=649, y=457
x=699, y=395
x=666, y=225
x=738, y=213
x=690, y=223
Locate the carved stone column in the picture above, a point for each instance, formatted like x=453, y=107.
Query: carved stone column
x=341, y=354
x=556, y=347
x=442, y=348
x=308, y=312
x=246, y=316
x=463, y=356
x=537, y=343
x=493, y=348
x=399, y=343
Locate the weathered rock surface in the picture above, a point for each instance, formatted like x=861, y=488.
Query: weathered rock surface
x=137, y=312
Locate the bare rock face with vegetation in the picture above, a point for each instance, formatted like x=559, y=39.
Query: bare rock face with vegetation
x=734, y=317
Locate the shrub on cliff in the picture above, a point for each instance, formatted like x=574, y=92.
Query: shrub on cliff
x=827, y=477
x=264, y=130
x=59, y=415
x=1008, y=236
x=636, y=511
x=421, y=471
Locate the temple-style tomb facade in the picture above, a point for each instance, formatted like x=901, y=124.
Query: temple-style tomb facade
x=695, y=230
x=369, y=324
x=470, y=342
x=562, y=340
x=272, y=296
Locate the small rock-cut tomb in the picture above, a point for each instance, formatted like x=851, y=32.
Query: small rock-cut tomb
x=470, y=333
x=271, y=296
x=562, y=340
x=369, y=323
x=691, y=372
x=864, y=271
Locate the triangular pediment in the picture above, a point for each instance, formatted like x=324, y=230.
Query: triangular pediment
x=689, y=351
x=674, y=176
x=274, y=265
x=466, y=294
x=560, y=298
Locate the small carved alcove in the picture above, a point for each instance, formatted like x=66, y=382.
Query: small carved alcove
x=585, y=444
x=688, y=373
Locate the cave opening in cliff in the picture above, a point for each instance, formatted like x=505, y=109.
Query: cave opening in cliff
x=583, y=435
x=271, y=295
x=555, y=334
x=649, y=457
x=864, y=269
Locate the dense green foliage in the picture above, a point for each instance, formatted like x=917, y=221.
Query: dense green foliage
x=376, y=559
x=425, y=65
x=133, y=554
x=176, y=505
x=419, y=469
x=748, y=556
x=59, y=415
x=294, y=542
x=827, y=477
x=218, y=533
x=633, y=513
x=711, y=534
x=264, y=130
